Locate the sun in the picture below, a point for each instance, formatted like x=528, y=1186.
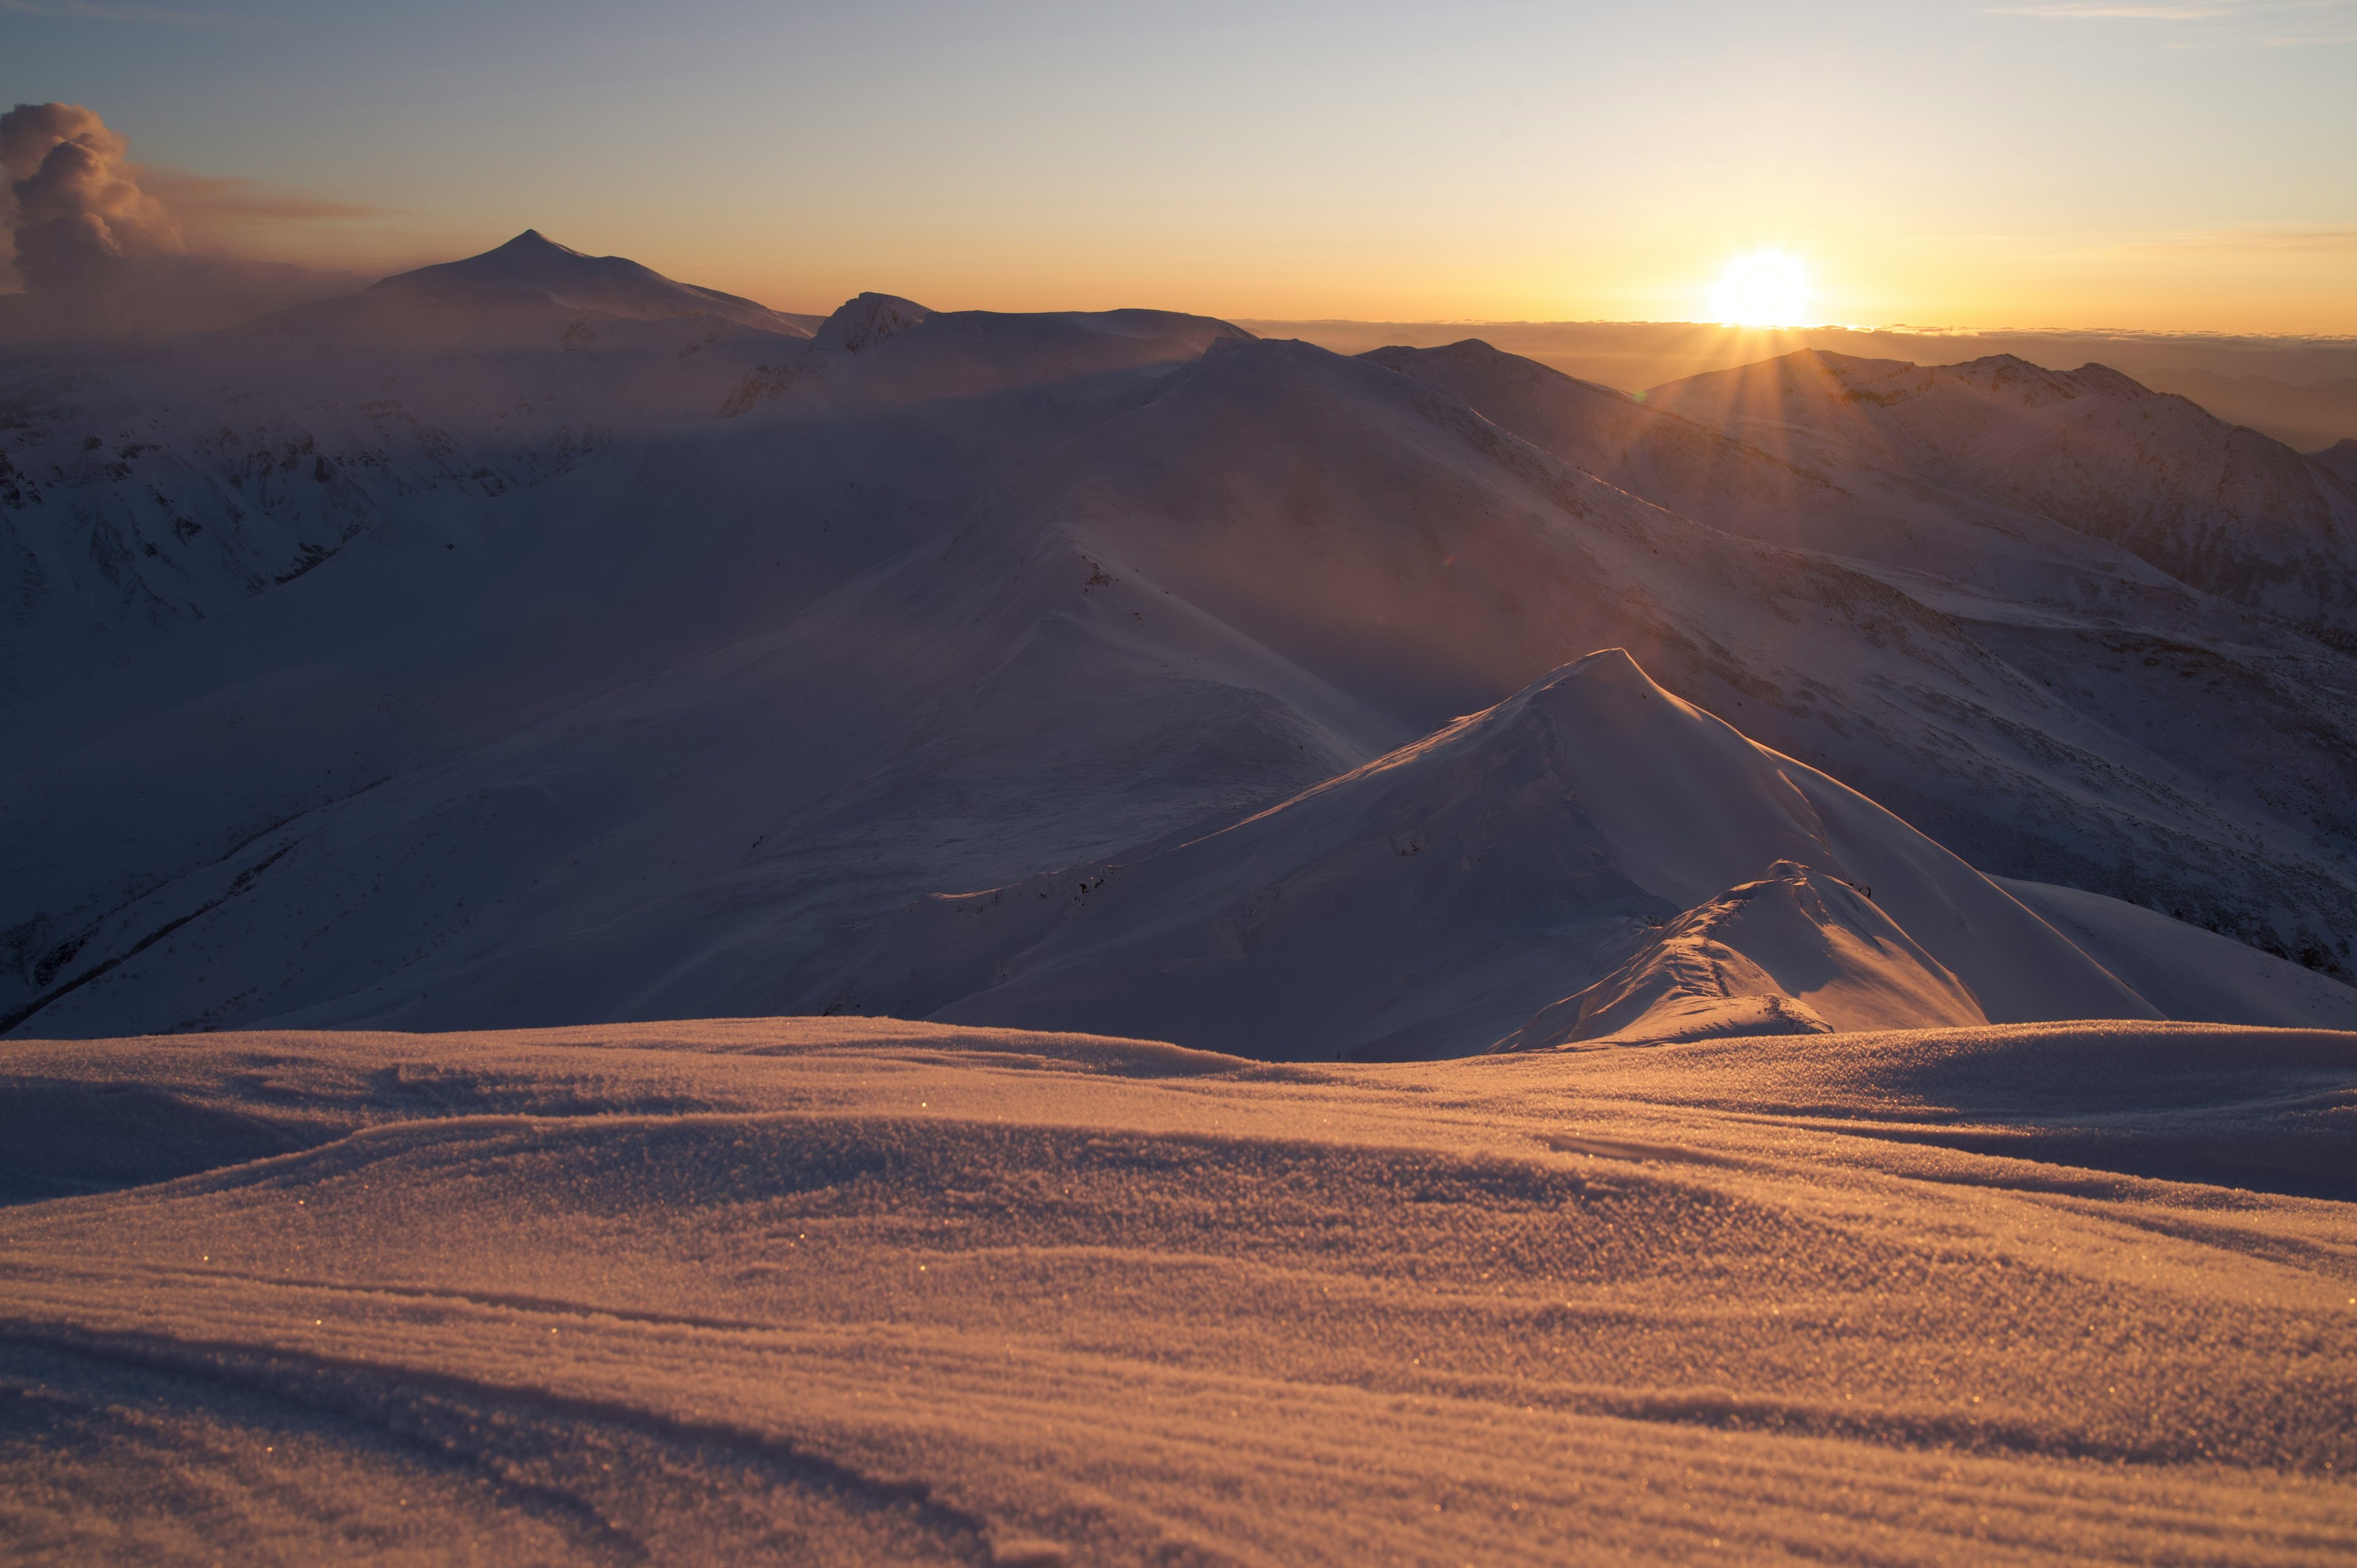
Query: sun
x=1763, y=288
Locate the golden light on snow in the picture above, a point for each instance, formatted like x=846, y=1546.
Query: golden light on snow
x=1762, y=288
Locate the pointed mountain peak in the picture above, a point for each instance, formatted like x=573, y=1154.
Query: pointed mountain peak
x=534, y=264
x=532, y=243
x=1608, y=678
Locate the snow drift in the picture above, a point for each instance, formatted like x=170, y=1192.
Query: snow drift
x=848, y=1292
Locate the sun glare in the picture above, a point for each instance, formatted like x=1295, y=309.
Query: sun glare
x=1764, y=288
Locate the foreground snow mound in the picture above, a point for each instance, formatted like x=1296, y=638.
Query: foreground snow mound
x=1434, y=898
x=1793, y=954
x=845, y=1291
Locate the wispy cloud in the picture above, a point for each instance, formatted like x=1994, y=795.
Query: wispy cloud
x=2099, y=11
x=215, y=199
x=2319, y=239
x=2275, y=24
x=107, y=11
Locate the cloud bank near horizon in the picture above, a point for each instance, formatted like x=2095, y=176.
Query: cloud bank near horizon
x=96, y=246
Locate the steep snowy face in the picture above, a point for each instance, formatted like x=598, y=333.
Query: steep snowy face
x=2218, y=506
x=1432, y=901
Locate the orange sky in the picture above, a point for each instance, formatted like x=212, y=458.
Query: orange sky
x=2056, y=164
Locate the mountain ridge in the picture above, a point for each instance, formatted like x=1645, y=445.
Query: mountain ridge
x=618, y=708
x=1454, y=890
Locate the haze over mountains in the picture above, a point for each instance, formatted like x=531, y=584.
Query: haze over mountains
x=641, y=652
x=2300, y=390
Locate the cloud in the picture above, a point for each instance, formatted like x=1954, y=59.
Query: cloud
x=205, y=201
x=100, y=246
x=2278, y=23
x=76, y=207
x=97, y=11
x=2097, y=11
x=2319, y=239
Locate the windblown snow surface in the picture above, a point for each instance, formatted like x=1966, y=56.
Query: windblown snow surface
x=860, y=1291
x=636, y=927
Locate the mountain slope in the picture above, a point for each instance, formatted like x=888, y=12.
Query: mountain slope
x=1895, y=524
x=1412, y=552
x=1677, y=463
x=1431, y=900
x=981, y=597
x=490, y=726
x=2222, y=507
x=2186, y=972
x=1796, y=952
x=141, y=496
x=2339, y=458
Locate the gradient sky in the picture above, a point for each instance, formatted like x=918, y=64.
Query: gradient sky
x=2173, y=167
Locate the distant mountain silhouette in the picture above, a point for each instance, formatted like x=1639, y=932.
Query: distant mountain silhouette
x=522, y=291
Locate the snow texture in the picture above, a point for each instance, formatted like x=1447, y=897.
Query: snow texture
x=851, y=1291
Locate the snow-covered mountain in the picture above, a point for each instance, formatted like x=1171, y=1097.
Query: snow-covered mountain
x=1443, y=895
x=144, y=489
x=516, y=293
x=2218, y=506
x=2162, y=682
x=2341, y=459
x=929, y=603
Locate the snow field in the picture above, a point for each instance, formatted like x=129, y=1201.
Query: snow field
x=917, y=1294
